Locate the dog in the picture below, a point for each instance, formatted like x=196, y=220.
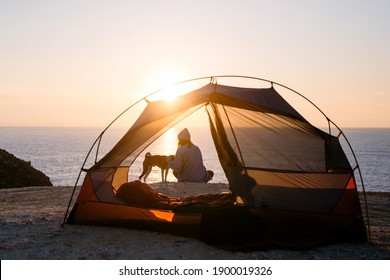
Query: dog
x=156, y=160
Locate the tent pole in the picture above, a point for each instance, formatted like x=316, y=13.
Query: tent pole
x=71, y=198
x=341, y=133
x=78, y=177
x=98, y=147
x=361, y=179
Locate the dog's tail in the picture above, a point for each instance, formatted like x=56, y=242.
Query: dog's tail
x=148, y=154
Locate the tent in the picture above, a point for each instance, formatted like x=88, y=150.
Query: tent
x=291, y=183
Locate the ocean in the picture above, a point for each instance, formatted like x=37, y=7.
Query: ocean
x=60, y=152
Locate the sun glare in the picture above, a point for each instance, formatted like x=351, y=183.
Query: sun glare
x=166, y=78
x=169, y=95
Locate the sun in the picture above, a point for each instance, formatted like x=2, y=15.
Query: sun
x=169, y=95
x=166, y=78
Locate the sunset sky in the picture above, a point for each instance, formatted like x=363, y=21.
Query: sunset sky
x=80, y=63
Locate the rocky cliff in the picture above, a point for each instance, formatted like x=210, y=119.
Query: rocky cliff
x=15, y=173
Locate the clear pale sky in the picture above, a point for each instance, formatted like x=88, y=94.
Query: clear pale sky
x=80, y=63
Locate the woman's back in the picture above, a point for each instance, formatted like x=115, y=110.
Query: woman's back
x=189, y=164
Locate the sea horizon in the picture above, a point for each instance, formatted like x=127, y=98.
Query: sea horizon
x=60, y=151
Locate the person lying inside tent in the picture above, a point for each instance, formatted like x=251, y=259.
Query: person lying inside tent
x=188, y=163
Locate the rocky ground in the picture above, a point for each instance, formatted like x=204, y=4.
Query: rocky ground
x=30, y=228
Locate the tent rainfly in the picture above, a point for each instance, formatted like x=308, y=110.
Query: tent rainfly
x=292, y=185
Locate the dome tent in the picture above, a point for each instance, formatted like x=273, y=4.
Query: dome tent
x=291, y=183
